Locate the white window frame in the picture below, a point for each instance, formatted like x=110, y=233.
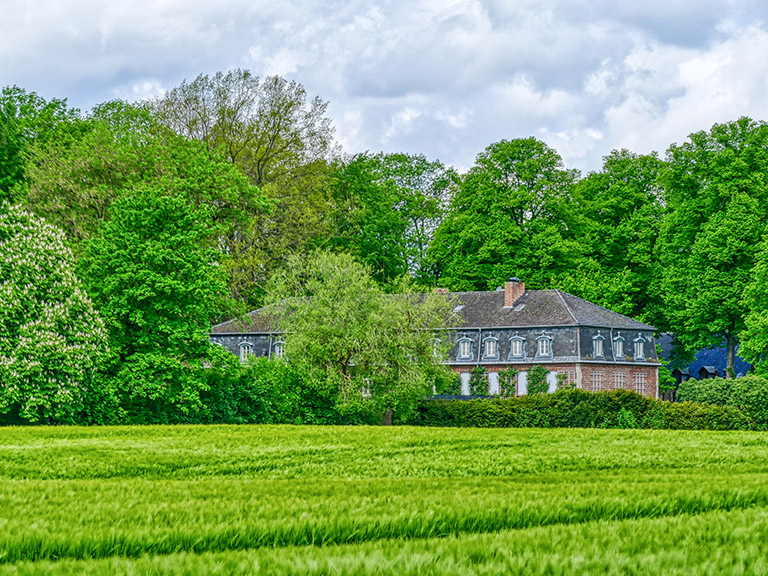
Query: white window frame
x=494, y=342
x=640, y=383
x=596, y=381
x=544, y=350
x=278, y=349
x=639, y=348
x=462, y=343
x=619, y=380
x=519, y=343
x=246, y=351
x=598, y=346
x=618, y=347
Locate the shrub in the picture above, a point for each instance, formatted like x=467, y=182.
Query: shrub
x=537, y=380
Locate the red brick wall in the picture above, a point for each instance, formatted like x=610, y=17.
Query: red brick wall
x=643, y=379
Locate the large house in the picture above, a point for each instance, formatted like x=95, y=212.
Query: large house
x=590, y=347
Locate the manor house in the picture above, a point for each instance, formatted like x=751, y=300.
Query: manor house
x=589, y=346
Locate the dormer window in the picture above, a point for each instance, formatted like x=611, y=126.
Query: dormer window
x=465, y=349
x=278, y=349
x=517, y=347
x=544, y=346
x=246, y=349
x=618, y=347
x=639, y=348
x=598, y=346
x=491, y=349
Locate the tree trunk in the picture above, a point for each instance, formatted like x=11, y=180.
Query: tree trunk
x=730, y=355
x=386, y=420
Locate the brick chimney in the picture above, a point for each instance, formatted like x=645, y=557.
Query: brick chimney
x=513, y=289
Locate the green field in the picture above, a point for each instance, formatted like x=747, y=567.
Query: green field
x=397, y=500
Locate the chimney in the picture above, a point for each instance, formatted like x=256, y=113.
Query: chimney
x=513, y=289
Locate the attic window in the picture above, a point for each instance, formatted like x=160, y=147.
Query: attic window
x=598, y=350
x=517, y=347
x=544, y=346
x=519, y=307
x=618, y=347
x=278, y=349
x=639, y=348
x=491, y=351
x=465, y=349
x=246, y=349
x=458, y=308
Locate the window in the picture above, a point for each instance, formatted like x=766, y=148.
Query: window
x=596, y=381
x=366, y=389
x=465, y=349
x=545, y=346
x=640, y=383
x=618, y=347
x=619, y=380
x=568, y=378
x=639, y=348
x=597, y=346
x=278, y=351
x=245, y=351
x=491, y=348
x=517, y=348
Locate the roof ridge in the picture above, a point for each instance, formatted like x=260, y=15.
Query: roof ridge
x=567, y=308
x=604, y=308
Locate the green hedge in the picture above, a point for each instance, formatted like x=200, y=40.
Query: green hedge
x=749, y=394
x=580, y=409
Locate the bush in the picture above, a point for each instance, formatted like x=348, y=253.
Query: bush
x=580, y=409
x=749, y=394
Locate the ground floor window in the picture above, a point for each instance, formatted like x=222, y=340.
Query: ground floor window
x=619, y=380
x=596, y=381
x=640, y=382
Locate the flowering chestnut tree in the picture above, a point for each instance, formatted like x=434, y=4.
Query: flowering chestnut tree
x=51, y=338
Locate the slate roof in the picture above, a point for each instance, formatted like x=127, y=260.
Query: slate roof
x=535, y=308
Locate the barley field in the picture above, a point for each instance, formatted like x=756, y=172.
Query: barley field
x=381, y=500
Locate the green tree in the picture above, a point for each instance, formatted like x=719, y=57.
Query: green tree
x=51, y=339
x=375, y=353
x=154, y=273
x=754, y=339
x=616, y=215
x=120, y=149
x=25, y=119
x=282, y=141
x=717, y=194
x=508, y=218
x=387, y=207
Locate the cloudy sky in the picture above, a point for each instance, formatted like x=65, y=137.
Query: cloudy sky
x=441, y=78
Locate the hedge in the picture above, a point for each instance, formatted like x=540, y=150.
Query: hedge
x=748, y=394
x=581, y=409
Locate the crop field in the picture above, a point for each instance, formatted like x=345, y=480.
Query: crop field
x=389, y=500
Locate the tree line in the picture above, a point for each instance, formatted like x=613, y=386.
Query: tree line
x=128, y=230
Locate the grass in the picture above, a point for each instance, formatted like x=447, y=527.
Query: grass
x=226, y=500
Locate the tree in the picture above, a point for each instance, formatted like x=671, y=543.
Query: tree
x=154, y=272
x=616, y=215
x=51, y=339
x=717, y=193
x=375, y=353
x=121, y=149
x=508, y=218
x=387, y=207
x=25, y=118
x=282, y=142
x=754, y=339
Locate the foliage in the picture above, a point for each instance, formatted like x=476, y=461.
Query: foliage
x=387, y=207
x=121, y=149
x=508, y=218
x=754, y=339
x=537, y=380
x=717, y=194
x=153, y=272
x=51, y=339
x=748, y=393
x=344, y=335
x=582, y=409
x=26, y=119
x=616, y=215
x=508, y=381
x=478, y=381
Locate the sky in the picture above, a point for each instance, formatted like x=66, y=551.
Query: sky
x=440, y=78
